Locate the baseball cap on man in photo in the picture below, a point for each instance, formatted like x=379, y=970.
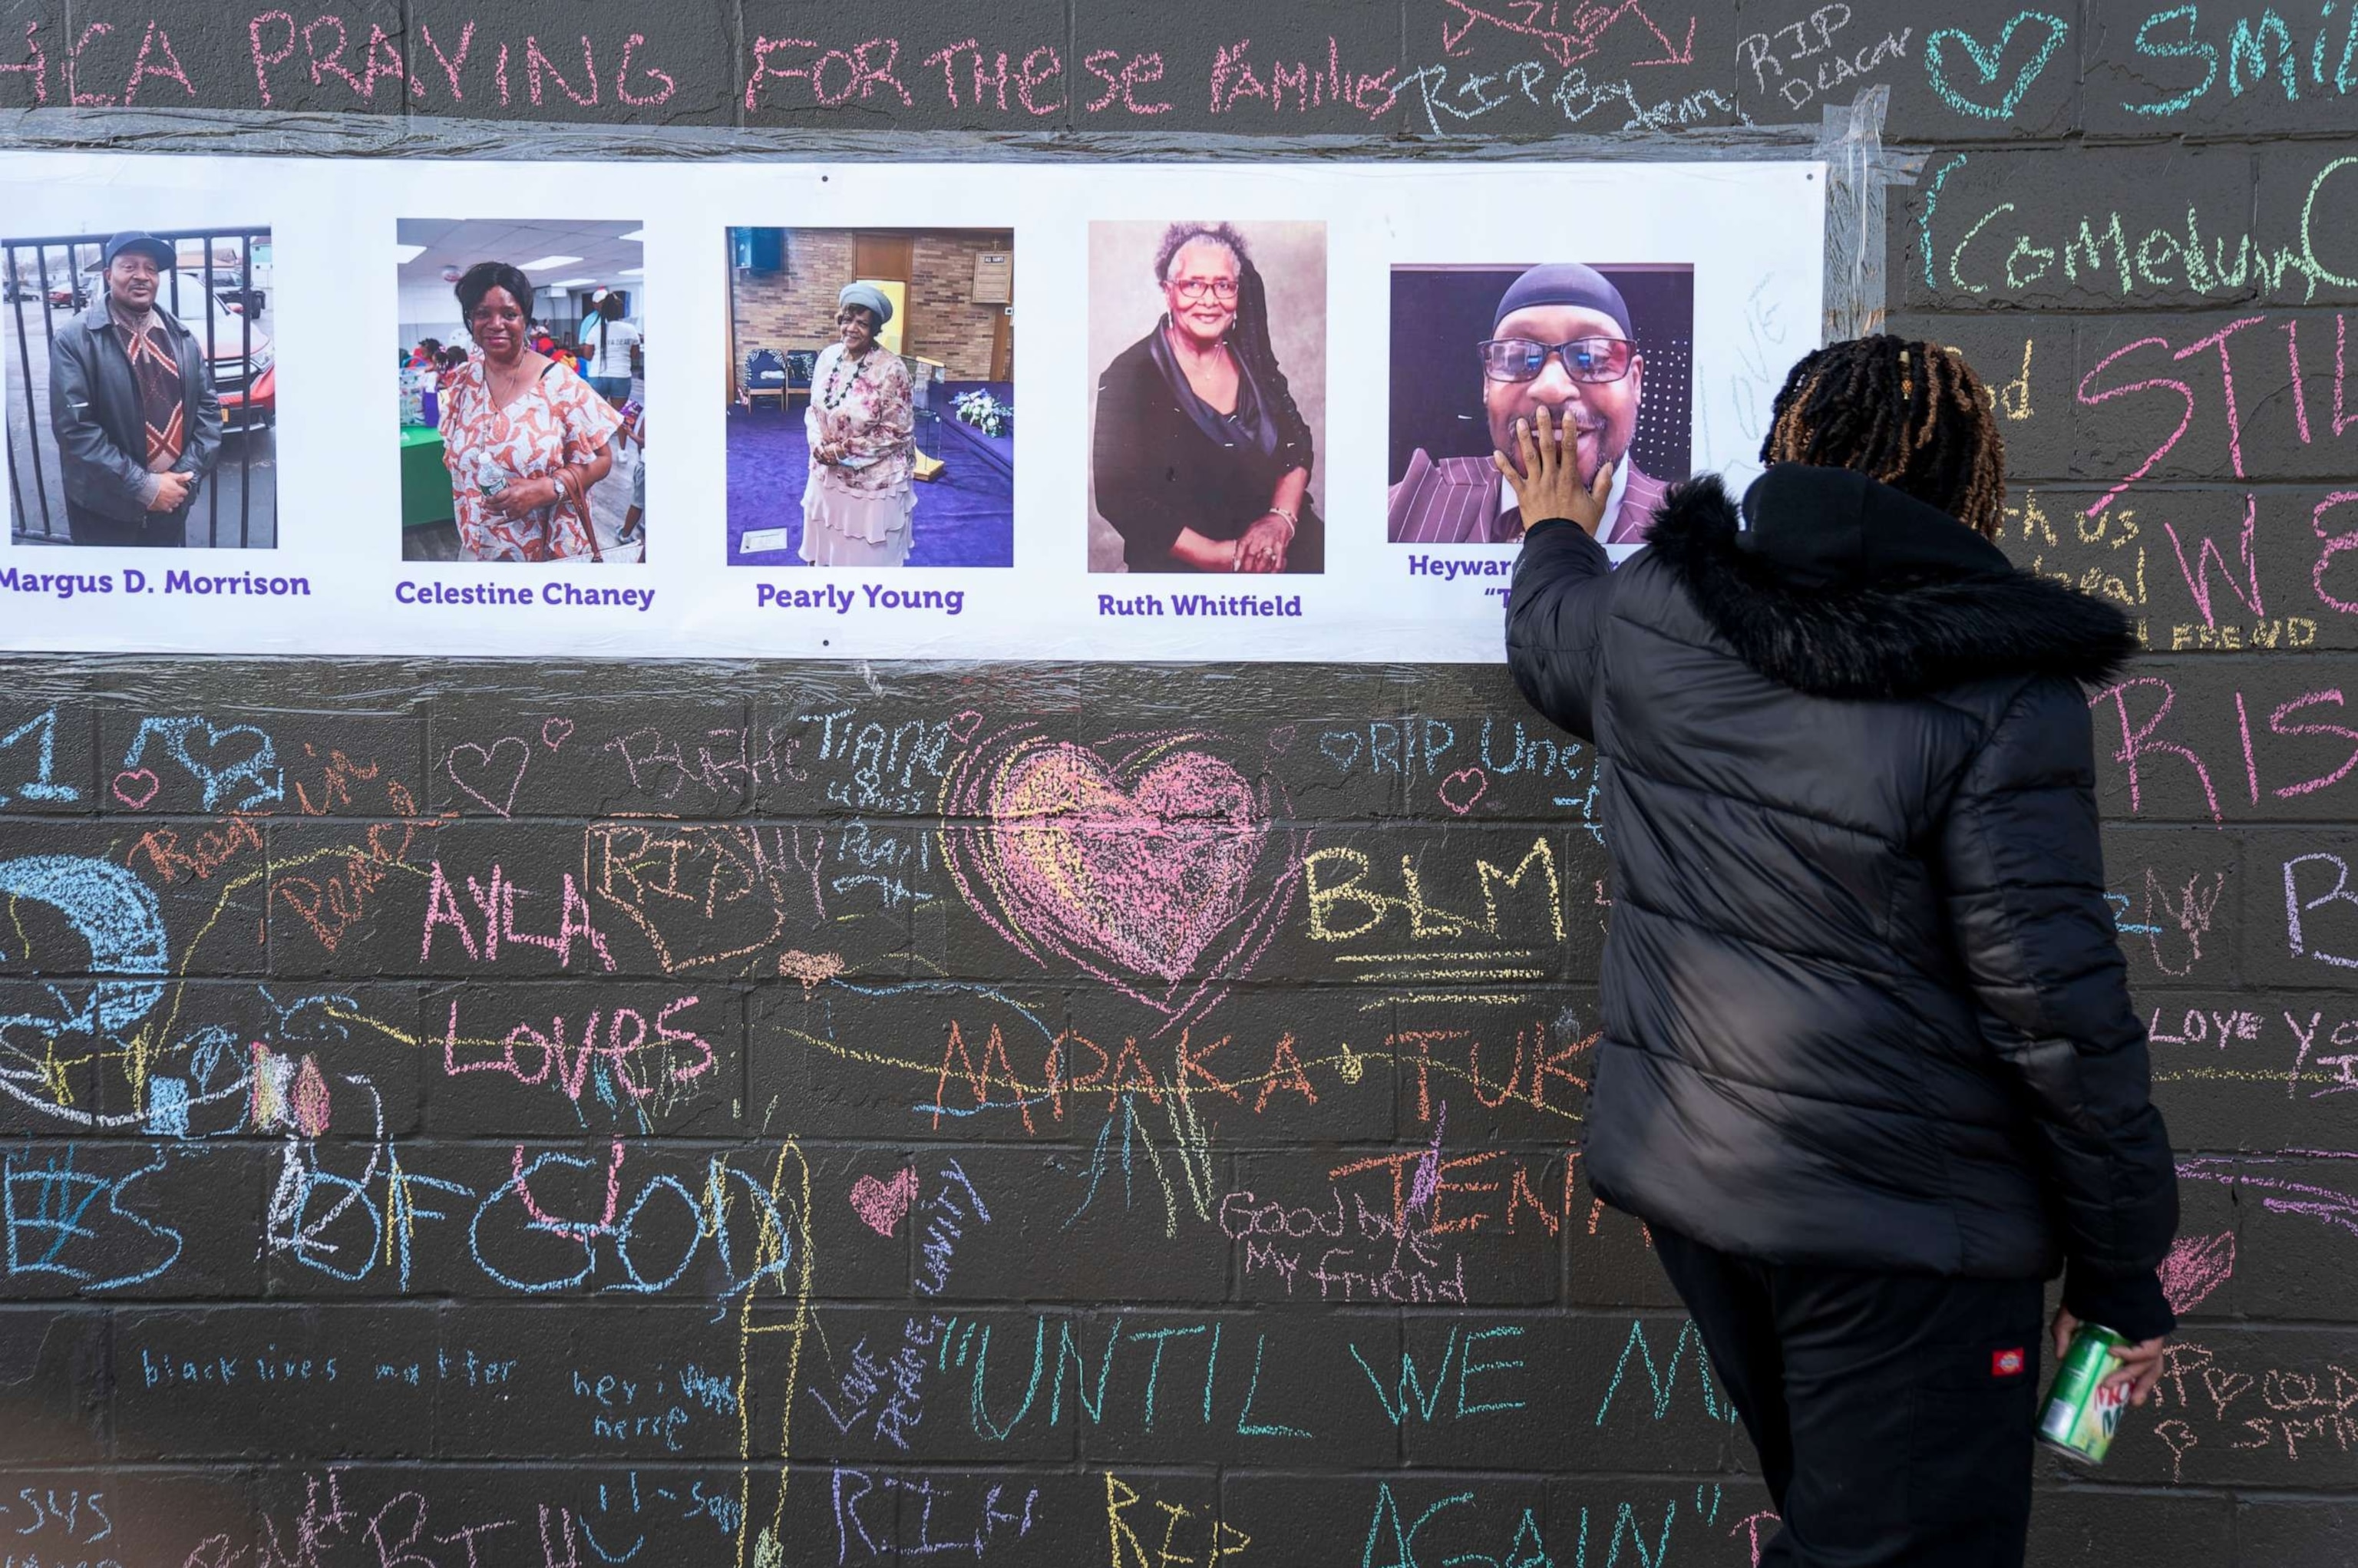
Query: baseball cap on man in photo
x=148, y=245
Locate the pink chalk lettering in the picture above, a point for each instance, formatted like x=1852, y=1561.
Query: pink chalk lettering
x=947, y=57
x=500, y=75
x=383, y=61
x=764, y=67
x=1123, y=85
x=74, y=95
x=603, y=1226
x=36, y=65
x=264, y=61
x=2095, y=400
x=2300, y=399
x=2198, y=577
x=1581, y=38
x=986, y=80
x=2277, y=723
x=1035, y=76
x=442, y=909
x=2136, y=742
x=1233, y=78
x=2251, y=763
x=2335, y=544
x=637, y=100
x=868, y=76
x=157, y=40
x=2341, y=366
x=2217, y=340
x=534, y=62
x=450, y=66
x=333, y=65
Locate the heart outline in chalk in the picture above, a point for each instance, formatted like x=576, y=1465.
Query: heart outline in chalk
x=555, y=732
x=1149, y=861
x=1987, y=60
x=505, y=806
x=154, y=783
x=883, y=1205
x=1480, y=781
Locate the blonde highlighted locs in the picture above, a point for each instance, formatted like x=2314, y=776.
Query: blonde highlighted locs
x=1911, y=415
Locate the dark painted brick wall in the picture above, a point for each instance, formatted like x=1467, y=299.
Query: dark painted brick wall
x=598, y=1116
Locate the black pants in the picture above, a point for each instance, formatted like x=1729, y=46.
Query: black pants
x=1893, y=1413
x=155, y=531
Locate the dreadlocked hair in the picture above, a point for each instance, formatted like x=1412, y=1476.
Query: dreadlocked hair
x=1911, y=415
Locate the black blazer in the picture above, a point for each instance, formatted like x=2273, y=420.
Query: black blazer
x=1156, y=473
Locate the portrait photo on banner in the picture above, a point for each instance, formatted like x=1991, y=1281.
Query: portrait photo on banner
x=1607, y=349
x=142, y=384
x=1207, y=425
x=523, y=373
x=871, y=385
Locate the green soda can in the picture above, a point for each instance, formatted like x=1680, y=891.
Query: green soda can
x=2081, y=1414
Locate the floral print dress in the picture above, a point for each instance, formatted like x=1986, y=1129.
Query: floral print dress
x=556, y=421
x=858, y=514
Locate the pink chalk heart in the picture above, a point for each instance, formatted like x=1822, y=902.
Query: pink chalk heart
x=143, y=785
x=1146, y=872
x=963, y=725
x=2196, y=1265
x=1461, y=789
x=479, y=775
x=555, y=732
x=883, y=1204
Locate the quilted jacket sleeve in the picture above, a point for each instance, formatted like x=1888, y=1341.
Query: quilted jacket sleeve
x=2023, y=872
x=1555, y=623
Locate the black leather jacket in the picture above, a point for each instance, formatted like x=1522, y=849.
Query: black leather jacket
x=94, y=411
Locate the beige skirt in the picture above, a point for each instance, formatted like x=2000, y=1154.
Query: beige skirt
x=841, y=529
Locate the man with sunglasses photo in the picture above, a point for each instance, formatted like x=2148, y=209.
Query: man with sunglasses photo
x=1560, y=341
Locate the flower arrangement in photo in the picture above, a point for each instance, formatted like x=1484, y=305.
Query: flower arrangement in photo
x=984, y=412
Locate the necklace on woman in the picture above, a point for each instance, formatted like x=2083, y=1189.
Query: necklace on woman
x=829, y=397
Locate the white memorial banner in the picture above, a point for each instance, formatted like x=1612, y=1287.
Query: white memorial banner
x=655, y=410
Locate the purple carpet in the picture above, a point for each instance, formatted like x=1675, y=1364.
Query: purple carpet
x=965, y=518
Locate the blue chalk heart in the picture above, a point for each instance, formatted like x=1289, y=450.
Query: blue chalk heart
x=1986, y=61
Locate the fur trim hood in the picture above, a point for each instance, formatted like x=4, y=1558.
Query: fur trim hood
x=1833, y=584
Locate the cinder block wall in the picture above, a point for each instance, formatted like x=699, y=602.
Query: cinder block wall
x=611, y=1115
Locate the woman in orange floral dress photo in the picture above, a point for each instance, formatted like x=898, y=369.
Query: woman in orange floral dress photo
x=525, y=436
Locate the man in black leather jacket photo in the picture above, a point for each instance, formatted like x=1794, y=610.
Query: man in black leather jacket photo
x=1869, y=1071
x=132, y=404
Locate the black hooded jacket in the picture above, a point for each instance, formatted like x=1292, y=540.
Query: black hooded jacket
x=1864, y=1004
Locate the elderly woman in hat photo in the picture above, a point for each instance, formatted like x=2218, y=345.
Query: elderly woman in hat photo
x=857, y=508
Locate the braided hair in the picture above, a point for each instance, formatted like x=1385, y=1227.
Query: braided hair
x=1911, y=415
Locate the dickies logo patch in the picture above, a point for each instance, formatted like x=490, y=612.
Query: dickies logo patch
x=2007, y=1363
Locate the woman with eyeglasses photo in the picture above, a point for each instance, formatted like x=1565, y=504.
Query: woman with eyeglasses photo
x=1201, y=459
x=1560, y=341
x=858, y=506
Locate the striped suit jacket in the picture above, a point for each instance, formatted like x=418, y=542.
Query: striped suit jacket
x=1455, y=500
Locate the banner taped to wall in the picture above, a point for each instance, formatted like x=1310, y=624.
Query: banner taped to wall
x=664, y=410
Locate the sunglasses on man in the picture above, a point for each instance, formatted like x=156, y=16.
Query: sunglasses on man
x=1591, y=360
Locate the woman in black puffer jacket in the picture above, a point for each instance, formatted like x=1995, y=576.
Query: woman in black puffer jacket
x=1869, y=1069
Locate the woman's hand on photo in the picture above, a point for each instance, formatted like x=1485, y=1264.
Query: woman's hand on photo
x=1262, y=548
x=829, y=452
x=1548, y=485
